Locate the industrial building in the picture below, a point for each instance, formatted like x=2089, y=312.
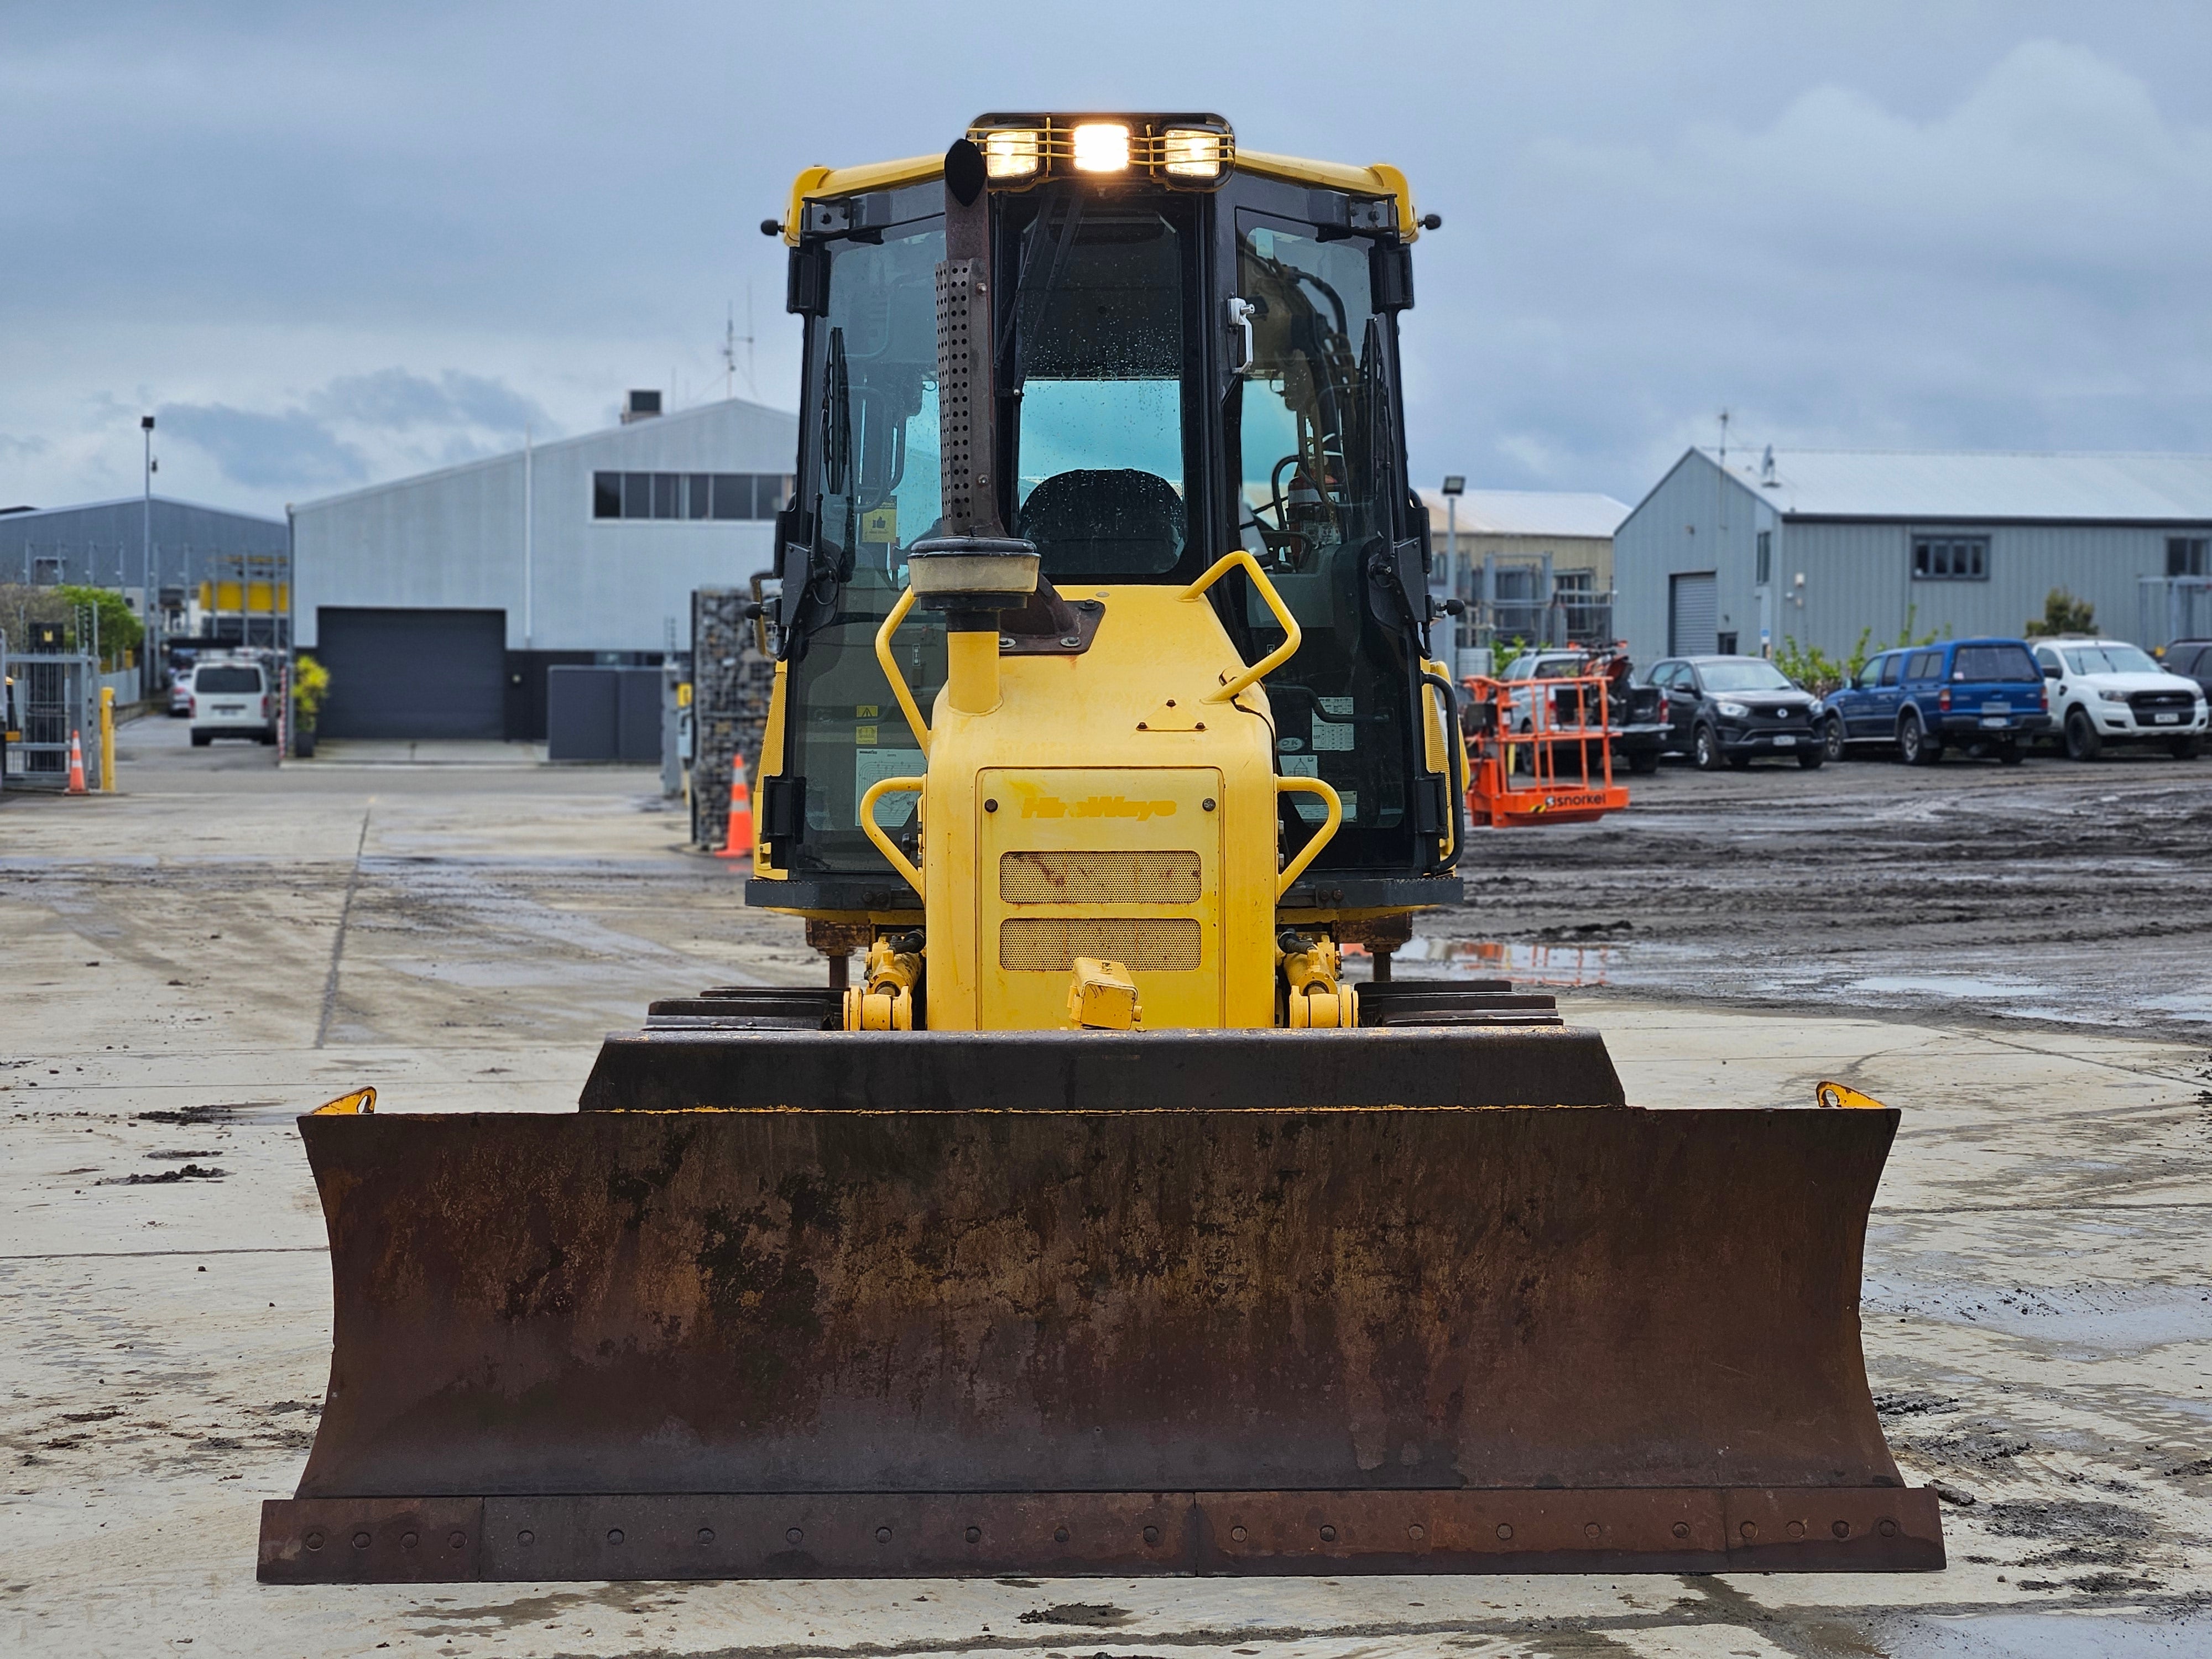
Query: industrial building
x=439, y=602
x=1530, y=564
x=209, y=567
x=1746, y=552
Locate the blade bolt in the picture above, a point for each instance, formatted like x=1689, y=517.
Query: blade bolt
x=974, y=1535
x=1842, y=1529
x=1749, y=1530
x=614, y=1534
x=883, y=1535
x=1417, y=1532
x=1889, y=1530
x=1504, y=1532
x=456, y=1540
x=1060, y=1535
x=1151, y=1535
x=1796, y=1528
x=314, y=1540
x=361, y=1540
x=525, y=1537
x=408, y=1540
x=1681, y=1529
x=1237, y=1533
x=791, y=1535
x=706, y=1534
x=1593, y=1532
x=1328, y=1534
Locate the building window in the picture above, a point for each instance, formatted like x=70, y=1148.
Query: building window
x=2188, y=555
x=688, y=495
x=1951, y=558
x=1765, y=558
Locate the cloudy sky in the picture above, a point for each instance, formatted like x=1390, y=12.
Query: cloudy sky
x=328, y=244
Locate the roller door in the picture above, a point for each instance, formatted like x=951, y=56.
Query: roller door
x=413, y=673
x=1694, y=615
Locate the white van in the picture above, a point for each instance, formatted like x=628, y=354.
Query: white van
x=232, y=700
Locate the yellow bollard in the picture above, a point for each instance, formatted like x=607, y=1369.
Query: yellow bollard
x=107, y=739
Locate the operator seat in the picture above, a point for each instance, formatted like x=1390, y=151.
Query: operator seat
x=1104, y=524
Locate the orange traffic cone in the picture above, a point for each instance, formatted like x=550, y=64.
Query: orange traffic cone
x=738, y=843
x=76, y=765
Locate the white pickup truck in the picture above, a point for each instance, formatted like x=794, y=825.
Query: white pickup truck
x=2106, y=691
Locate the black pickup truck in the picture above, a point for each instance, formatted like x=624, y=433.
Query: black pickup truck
x=1636, y=715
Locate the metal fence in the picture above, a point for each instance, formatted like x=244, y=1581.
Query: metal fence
x=56, y=698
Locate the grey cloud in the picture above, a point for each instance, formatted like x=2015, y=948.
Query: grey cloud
x=267, y=451
x=394, y=399
x=1978, y=223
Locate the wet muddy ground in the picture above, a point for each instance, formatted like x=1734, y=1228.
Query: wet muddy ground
x=2048, y=892
x=188, y=965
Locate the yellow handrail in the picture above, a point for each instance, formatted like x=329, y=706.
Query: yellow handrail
x=874, y=831
x=1275, y=658
x=1296, y=867
x=889, y=666
x=1452, y=734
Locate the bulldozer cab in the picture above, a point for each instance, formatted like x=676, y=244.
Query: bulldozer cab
x=1191, y=357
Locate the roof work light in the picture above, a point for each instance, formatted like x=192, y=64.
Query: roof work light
x=1186, y=150
x=1101, y=147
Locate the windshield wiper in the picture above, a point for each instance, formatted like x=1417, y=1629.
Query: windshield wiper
x=1026, y=314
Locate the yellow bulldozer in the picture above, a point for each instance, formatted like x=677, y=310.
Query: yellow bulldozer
x=1100, y=1223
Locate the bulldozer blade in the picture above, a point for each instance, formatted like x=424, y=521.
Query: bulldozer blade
x=1290, y=1339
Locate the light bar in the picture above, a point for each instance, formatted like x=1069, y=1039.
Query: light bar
x=1013, y=152
x=1101, y=147
x=1189, y=151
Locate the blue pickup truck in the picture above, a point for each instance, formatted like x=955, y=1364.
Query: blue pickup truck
x=1922, y=699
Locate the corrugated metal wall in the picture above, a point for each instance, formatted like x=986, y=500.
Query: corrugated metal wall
x=103, y=545
x=1860, y=575
x=1857, y=576
x=454, y=540
x=1697, y=519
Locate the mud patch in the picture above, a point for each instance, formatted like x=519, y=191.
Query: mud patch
x=169, y=1177
x=1911, y=1405
x=1978, y=1445
x=193, y=1117
x=2067, y=1518
x=1097, y=1615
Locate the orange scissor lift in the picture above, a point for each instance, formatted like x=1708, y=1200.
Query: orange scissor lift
x=1567, y=746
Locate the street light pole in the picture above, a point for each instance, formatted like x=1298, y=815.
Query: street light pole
x=146, y=596
x=1455, y=487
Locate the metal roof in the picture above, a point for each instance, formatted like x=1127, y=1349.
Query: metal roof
x=774, y=429
x=24, y=515
x=1965, y=484
x=1529, y=513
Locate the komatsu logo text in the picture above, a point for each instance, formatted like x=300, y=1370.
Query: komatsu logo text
x=1036, y=805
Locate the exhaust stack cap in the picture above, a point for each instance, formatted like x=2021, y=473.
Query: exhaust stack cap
x=968, y=572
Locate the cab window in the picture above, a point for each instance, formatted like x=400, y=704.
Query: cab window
x=1099, y=347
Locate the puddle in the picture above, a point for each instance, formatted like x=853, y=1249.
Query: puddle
x=1531, y=964
x=1984, y=983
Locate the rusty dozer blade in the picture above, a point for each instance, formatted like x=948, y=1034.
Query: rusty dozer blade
x=1067, y=1311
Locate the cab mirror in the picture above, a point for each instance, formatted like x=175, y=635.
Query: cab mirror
x=2051, y=670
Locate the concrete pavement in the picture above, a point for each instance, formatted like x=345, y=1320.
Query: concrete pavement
x=224, y=943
